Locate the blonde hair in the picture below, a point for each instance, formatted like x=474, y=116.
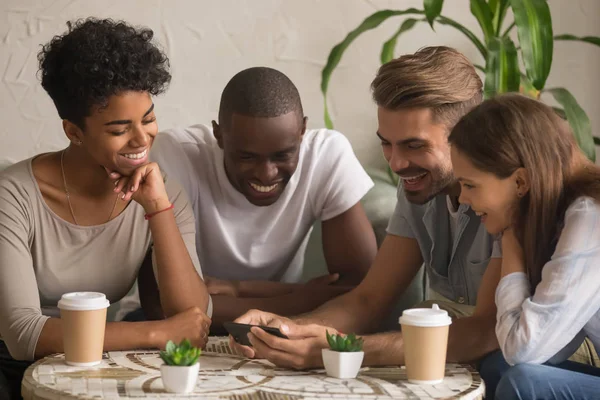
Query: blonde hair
x=439, y=78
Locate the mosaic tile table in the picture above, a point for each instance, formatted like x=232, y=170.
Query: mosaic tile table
x=224, y=375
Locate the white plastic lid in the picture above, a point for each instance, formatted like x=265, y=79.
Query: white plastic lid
x=83, y=301
x=428, y=317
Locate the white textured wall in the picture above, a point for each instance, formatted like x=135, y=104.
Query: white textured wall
x=208, y=41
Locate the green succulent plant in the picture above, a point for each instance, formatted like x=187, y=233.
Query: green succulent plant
x=344, y=343
x=182, y=354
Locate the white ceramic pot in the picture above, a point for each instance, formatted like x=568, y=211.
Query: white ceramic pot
x=343, y=365
x=177, y=379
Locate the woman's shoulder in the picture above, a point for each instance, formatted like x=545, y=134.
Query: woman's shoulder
x=585, y=205
x=18, y=178
x=580, y=231
x=175, y=191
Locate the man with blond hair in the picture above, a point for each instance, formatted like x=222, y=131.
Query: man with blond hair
x=420, y=97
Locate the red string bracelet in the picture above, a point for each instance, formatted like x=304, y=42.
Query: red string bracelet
x=148, y=216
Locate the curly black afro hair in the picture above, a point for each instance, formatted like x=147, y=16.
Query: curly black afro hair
x=98, y=58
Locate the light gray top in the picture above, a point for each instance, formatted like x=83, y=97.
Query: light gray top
x=550, y=323
x=454, y=269
x=43, y=256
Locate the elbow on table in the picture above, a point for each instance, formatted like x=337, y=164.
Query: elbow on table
x=21, y=334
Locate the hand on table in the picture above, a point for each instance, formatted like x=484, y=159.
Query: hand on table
x=192, y=324
x=256, y=317
x=302, y=349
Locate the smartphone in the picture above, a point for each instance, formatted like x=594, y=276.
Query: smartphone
x=239, y=332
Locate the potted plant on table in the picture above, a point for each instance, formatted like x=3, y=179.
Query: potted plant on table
x=180, y=371
x=344, y=356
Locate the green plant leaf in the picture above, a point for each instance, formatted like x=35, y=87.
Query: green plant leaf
x=510, y=27
x=587, y=39
x=328, y=121
x=170, y=347
x=502, y=67
x=526, y=88
x=596, y=141
x=182, y=354
x=433, y=9
x=177, y=358
x=165, y=357
x=578, y=120
x=347, y=343
x=331, y=340
x=336, y=53
x=498, y=8
x=481, y=10
x=534, y=26
x=466, y=31
x=185, y=346
x=341, y=343
x=387, y=51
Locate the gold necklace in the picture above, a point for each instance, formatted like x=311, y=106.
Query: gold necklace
x=62, y=169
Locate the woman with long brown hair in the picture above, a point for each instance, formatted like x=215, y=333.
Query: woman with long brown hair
x=521, y=171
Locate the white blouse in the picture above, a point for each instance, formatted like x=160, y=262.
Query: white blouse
x=550, y=324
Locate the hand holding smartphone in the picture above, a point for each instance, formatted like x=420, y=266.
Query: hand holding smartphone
x=239, y=332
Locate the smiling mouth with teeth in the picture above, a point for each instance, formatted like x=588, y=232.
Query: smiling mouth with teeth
x=413, y=179
x=136, y=156
x=263, y=189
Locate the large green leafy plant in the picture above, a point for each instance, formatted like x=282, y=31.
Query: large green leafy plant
x=533, y=22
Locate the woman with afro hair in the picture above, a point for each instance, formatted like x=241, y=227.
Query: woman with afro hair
x=84, y=218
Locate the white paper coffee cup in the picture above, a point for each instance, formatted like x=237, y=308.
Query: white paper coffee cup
x=83, y=316
x=425, y=335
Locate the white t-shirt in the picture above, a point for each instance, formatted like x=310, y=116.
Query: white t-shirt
x=238, y=240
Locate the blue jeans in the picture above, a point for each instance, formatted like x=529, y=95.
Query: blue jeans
x=567, y=380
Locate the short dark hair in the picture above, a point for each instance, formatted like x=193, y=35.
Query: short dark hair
x=259, y=92
x=96, y=59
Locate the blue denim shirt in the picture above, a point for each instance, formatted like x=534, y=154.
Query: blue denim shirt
x=457, y=274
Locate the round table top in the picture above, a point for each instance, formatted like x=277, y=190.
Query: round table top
x=224, y=375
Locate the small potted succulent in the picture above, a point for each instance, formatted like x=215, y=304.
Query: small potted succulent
x=344, y=356
x=180, y=371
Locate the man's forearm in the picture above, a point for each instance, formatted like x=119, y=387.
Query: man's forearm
x=264, y=288
x=347, y=313
x=228, y=308
x=384, y=349
x=471, y=338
